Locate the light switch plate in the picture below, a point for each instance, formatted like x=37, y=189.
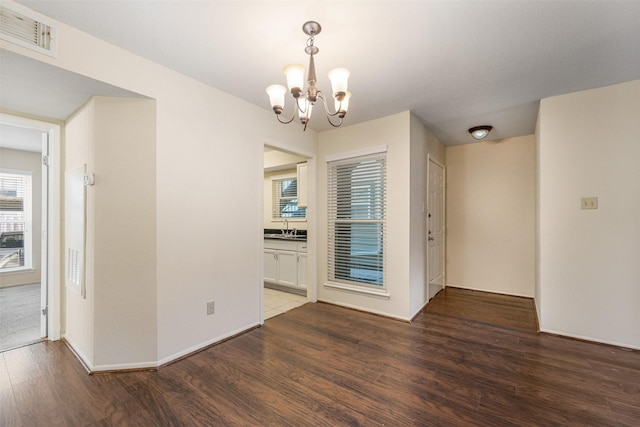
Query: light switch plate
x=589, y=203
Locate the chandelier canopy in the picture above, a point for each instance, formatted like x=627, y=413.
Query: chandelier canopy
x=305, y=99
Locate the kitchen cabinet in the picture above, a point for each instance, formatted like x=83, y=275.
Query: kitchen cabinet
x=302, y=270
x=302, y=185
x=285, y=263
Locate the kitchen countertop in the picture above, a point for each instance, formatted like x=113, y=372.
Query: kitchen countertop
x=298, y=238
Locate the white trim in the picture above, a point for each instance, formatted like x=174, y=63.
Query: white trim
x=382, y=293
x=356, y=153
x=489, y=291
x=590, y=339
x=79, y=354
x=366, y=310
x=202, y=345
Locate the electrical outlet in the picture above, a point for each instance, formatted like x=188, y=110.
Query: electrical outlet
x=589, y=203
x=211, y=307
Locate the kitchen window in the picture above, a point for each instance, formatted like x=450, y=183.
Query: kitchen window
x=285, y=198
x=356, y=219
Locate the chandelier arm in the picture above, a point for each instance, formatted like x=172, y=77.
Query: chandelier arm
x=303, y=111
x=287, y=121
x=333, y=124
x=326, y=107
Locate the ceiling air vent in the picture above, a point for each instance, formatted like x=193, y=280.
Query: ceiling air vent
x=27, y=31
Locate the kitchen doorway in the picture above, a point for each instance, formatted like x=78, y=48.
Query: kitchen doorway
x=287, y=223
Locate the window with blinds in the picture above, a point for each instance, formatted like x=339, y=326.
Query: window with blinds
x=356, y=219
x=15, y=220
x=285, y=198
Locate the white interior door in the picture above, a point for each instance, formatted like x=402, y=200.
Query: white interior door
x=436, y=228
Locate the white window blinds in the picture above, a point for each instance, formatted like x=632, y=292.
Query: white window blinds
x=285, y=198
x=356, y=219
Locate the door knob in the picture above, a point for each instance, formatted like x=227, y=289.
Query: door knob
x=431, y=238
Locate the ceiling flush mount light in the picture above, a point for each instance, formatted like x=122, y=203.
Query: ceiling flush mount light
x=305, y=99
x=480, y=132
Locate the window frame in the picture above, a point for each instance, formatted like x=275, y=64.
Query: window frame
x=275, y=200
x=356, y=158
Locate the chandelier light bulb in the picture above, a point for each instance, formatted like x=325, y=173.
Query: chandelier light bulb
x=339, y=80
x=276, y=96
x=295, y=77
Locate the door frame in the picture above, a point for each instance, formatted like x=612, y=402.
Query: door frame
x=435, y=161
x=53, y=215
x=312, y=224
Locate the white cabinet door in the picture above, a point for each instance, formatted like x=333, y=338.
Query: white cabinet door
x=270, y=266
x=302, y=185
x=287, y=268
x=302, y=270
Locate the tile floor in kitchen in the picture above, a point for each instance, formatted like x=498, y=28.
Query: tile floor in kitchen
x=277, y=302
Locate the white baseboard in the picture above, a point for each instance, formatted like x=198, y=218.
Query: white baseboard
x=152, y=364
x=591, y=339
x=366, y=310
x=205, y=344
x=491, y=291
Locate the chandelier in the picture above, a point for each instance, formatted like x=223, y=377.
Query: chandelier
x=305, y=99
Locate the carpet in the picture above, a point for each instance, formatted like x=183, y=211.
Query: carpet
x=19, y=315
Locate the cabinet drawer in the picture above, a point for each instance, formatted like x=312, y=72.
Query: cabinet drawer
x=283, y=245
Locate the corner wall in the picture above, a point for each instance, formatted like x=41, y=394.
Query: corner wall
x=409, y=143
x=115, y=138
x=392, y=131
x=589, y=260
x=491, y=216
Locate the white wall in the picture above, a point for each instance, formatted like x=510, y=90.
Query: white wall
x=125, y=231
x=27, y=161
x=423, y=143
x=589, y=260
x=491, y=216
x=204, y=252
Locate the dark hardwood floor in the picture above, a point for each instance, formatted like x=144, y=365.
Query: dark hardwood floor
x=470, y=358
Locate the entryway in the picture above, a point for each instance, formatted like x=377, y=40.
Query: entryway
x=26, y=243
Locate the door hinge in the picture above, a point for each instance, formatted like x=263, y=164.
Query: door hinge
x=45, y=160
x=45, y=311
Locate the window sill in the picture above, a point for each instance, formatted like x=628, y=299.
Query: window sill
x=16, y=270
x=382, y=293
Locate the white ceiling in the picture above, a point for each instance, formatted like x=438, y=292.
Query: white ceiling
x=20, y=138
x=455, y=64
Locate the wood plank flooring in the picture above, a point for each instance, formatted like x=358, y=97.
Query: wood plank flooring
x=470, y=358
